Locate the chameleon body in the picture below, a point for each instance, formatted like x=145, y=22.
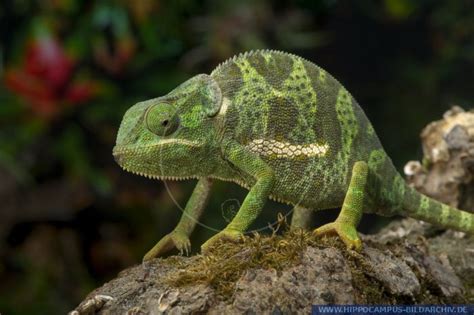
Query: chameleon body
x=281, y=127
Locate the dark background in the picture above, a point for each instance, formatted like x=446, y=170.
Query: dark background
x=71, y=218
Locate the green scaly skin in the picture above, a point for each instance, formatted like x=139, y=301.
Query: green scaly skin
x=281, y=127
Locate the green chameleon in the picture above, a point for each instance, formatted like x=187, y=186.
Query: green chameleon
x=284, y=129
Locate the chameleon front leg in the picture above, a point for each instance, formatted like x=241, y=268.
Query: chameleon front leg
x=179, y=237
x=301, y=218
x=252, y=164
x=351, y=212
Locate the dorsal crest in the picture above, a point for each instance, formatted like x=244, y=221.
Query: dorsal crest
x=251, y=53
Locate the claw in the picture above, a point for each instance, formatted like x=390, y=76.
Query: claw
x=183, y=245
x=346, y=232
x=175, y=239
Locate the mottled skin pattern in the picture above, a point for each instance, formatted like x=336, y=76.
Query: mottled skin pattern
x=281, y=127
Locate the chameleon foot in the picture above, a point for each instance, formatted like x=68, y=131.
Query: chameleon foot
x=224, y=235
x=175, y=239
x=346, y=232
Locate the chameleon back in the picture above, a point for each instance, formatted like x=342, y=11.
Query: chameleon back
x=301, y=121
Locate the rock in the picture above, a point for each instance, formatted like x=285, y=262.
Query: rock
x=386, y=271
x=394, y=273
x=446, y=172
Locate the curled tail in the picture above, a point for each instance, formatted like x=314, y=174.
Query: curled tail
x=418, y=206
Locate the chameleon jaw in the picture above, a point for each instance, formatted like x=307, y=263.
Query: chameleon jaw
x=154, y=176
x=120, y=154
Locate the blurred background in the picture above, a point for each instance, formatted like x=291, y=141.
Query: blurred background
x=71, y=219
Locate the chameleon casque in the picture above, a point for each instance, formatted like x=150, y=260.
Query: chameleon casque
x=281, y=127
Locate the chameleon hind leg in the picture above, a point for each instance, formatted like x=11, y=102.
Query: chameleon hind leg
x=351, y=211
x=301, y=218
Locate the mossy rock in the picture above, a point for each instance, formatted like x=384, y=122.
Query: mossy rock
x=289, y=272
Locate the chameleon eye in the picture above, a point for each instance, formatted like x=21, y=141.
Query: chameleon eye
x=161, y=119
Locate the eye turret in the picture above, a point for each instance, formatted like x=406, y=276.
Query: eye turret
x=161, y=119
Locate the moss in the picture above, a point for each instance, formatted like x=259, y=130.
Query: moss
x=226, y=262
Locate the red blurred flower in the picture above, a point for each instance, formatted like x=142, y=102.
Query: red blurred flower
x=46, y=80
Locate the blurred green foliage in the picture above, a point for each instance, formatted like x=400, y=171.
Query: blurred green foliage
x=71, y=219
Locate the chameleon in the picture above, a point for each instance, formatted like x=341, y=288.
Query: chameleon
x=281, y=127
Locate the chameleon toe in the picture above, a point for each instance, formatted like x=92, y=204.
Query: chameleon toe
x=224, y=235
x=346, y=233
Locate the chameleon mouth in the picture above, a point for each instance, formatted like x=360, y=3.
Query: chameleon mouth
x=120, y=154
x=154, y=176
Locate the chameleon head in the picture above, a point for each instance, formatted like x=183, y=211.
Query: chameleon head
x=171, y=137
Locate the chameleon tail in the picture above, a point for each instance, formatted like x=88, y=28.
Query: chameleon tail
x=419, y=206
